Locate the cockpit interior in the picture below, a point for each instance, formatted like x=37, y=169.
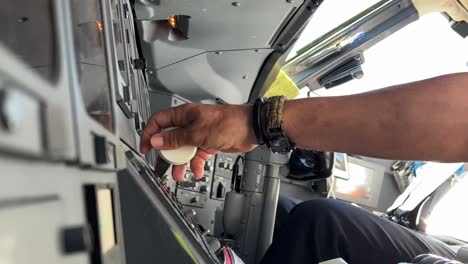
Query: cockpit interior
x=79, y=80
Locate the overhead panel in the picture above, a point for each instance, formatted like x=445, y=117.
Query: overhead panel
x=225, y=75
x=210, y=26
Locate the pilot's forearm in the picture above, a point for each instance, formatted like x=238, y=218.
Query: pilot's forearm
x=425, y=120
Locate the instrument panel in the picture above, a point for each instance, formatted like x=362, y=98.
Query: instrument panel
x=78, y=82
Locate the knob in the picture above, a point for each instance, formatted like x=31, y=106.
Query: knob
x=194, y=199
x=204, y=179
x=190, y=213
x=224, y=165
x=76, y=239
x=203, y=189
x=208, y=166
x=187, y=184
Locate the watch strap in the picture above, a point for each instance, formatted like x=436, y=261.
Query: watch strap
x=257, y=121
x=274, y=113
x=272, y=125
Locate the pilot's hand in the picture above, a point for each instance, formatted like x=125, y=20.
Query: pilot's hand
x=211, y=128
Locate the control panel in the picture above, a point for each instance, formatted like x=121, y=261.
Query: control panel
x=222, y=178
x=204, y=197
x=192, y=192
x=148, y=204
x=79, y=80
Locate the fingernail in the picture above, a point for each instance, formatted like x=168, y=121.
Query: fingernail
x=157, y=141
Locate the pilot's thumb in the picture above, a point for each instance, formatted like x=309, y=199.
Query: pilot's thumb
x=170, y=139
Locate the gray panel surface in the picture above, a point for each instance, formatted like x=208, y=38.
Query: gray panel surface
x=389, y=192
x=25, y=22
x=19, y=72
x=259, y=204
x=29, y=233
x=214, y=25
x=298, y=192
x=37, y=200
x=23, y=115
x=160, y=100
x=228, y=76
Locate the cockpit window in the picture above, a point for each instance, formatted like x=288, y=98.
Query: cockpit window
x=449, y=216
x=423, y=49
x=330, y=15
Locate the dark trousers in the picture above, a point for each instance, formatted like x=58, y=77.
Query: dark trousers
x=325, y=229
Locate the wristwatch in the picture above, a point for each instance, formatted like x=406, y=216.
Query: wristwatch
x=268, y=124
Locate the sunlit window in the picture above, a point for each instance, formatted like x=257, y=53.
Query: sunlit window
x=423, y=49
x=330, y=14
x=449, y=217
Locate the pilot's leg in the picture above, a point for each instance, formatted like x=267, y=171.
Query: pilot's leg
x=285, y=205
x=325, y=229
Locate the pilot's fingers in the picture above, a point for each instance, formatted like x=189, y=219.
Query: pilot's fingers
x=178, y=172
x=176, y=116
x=172, y=139
x=197, y=164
